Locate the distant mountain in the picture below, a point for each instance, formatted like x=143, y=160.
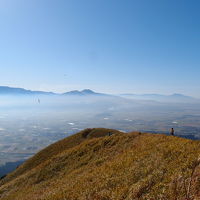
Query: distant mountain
x=5, y=90
x=84, y=92
x=174, y=98
x=162, y=98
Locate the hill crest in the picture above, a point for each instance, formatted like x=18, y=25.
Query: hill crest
x=105, y=164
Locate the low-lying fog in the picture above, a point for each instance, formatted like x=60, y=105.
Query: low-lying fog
x=29, y=123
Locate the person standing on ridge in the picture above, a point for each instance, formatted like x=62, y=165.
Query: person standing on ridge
x=172, y=131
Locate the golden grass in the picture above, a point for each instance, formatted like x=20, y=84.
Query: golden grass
x=93, y=166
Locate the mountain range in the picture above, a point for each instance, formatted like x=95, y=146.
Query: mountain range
x=162, y=98
x=5, y=90
x=83, y=92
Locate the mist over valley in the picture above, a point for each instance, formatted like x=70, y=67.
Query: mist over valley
x=30, y=122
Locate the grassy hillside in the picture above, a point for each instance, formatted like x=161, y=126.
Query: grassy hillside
x=91, y=165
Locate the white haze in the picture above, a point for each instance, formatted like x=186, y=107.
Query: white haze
x=28, y=123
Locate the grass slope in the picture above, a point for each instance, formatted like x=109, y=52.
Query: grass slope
x=91, y=165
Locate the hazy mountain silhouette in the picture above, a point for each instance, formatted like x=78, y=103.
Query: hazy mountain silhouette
x=83, y=92
x=163, y=98
x=5, y=90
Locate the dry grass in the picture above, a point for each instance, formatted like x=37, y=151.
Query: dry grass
x=94, y=166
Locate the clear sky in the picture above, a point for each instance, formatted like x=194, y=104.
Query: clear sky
x=113, y=46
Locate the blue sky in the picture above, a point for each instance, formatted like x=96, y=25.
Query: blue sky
x=113, y=46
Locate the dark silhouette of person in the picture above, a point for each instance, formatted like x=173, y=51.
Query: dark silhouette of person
x=172, y=131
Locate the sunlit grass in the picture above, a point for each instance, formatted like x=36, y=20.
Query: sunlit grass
x=94, y=166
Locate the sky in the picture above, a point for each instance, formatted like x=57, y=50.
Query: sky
x=111, y=46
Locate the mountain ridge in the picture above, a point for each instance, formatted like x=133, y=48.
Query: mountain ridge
x=84, y=92
x=105, y=164
x=5, y=90
x=15, y=90
x=176, y=97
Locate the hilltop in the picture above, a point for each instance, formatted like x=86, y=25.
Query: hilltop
x=91, y=165
x=84, y=92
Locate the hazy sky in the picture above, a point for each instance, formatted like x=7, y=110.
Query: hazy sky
x=115, y=46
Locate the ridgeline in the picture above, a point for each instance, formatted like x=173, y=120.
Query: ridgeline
x=105, y=164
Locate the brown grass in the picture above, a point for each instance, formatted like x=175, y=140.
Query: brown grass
x=91, y=165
